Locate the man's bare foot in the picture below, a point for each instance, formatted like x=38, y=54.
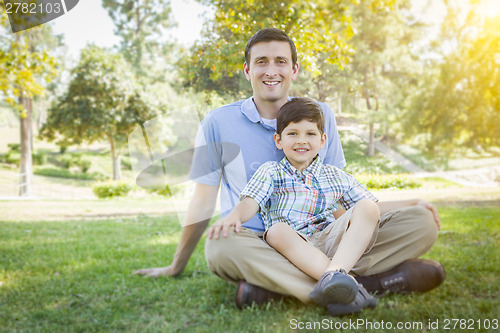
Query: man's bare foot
x=156, y=272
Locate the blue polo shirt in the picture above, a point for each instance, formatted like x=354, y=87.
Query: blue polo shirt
x=237, y=141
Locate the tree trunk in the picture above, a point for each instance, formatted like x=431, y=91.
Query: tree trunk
x=339, y=104
x=371, y=141
x=25, y=160
x=116, y=158
x=117, y=169
x=371, y=138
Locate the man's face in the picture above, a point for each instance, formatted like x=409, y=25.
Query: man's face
x=270, y=71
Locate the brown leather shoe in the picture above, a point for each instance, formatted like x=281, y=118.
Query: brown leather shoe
x=247, y=294
x=419, y=275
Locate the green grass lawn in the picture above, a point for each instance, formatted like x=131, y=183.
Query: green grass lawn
x=76, y=276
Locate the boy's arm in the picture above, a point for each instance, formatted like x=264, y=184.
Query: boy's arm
x=242, y=212
x=387, y=206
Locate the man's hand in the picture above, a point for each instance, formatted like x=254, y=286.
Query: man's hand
x=433, y=210
x=223, y=224
x=157, y=272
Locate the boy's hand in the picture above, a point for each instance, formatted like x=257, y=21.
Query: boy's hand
x=223, y=224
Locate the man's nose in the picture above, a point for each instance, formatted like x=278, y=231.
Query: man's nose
x=271, y=70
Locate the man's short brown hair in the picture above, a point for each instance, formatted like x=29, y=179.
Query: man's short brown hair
x=269, y=35
x=298, y=109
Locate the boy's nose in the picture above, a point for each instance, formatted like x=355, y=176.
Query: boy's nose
x=302, y=140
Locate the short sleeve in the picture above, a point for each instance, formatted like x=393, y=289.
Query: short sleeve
x=260, y=186
x=355, y=192
x=206, y=165
x=335, y=154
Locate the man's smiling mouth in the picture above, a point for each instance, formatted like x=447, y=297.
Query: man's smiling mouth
x=271, y=83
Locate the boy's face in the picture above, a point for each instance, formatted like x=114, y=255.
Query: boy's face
x=300, y=142
x=270, y=71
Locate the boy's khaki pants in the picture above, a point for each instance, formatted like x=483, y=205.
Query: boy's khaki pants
x=403, y=234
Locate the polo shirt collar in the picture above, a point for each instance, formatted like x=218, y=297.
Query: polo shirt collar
x=314, y=168
x=249, y=109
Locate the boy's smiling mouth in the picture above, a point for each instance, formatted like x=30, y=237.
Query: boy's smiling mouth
x=271, y=83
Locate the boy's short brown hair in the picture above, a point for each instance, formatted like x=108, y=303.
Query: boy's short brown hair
x=298, y=109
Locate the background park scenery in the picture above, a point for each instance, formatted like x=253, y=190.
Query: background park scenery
x=415, y=86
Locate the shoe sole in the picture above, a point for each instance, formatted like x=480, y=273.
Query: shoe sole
x=343, y=290
x=345, y=309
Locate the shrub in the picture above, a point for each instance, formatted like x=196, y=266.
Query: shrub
x=65, y=173
x=39, y=158
x=167, y=191
x=112, y=189
x=84, y=164
x=67, y=161
x=378, y=182
x=13, y=157
x=70, y=160
x=14, y=147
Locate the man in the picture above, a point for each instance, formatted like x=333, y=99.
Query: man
x=242, y=257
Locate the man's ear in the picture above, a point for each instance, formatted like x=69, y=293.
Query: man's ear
x=277, y=141
x=295, y=72
x=246, y=70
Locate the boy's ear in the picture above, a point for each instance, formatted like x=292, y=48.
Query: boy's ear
x=323, y=140
x=277, y=141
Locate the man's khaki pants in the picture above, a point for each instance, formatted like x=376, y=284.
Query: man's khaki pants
x=403, y=234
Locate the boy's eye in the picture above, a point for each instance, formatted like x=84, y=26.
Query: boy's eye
x=312, y=133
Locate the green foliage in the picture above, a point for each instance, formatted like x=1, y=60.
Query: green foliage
x=320, y=29
x=39, y=158
x=103, y=102
x=141, y=25
x=26, y=65
x=112, y=189
x=457, y=102
x=13, y=155
x=65, y=173
x=393, y=182
x=69, y=160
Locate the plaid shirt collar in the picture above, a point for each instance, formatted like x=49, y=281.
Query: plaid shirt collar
x=315, y=167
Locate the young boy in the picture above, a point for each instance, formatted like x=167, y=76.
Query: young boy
x=298, y=199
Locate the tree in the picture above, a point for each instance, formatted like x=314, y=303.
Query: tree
x=26, y=65
x=103, y=102
x=141, y=24
x=457, y=103
x=383, y=67
x=319, y=27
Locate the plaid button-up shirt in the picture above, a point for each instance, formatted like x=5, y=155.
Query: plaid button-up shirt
x=305, y=201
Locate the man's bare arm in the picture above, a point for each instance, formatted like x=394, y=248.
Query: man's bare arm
x=200, y=210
